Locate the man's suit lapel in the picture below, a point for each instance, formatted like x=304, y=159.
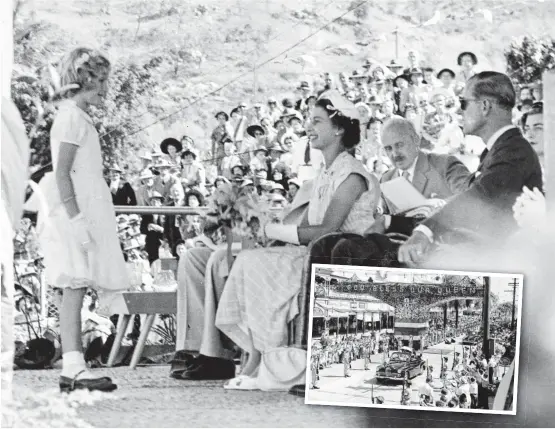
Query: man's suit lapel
x=421, y=170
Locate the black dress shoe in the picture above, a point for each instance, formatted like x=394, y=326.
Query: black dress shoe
x=208, y=368
x=181, y=362
x=298, y=390
x=104, y=384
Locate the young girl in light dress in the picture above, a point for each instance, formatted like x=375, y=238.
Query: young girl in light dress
x=78, y=234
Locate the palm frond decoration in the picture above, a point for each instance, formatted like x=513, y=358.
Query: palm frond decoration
x=167, y=330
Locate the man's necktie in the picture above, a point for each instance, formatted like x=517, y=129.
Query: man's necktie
x=307, y=153
x=406, y=175
x=483, y=155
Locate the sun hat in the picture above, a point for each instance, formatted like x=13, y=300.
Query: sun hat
x=253, y=128
x=146, y=174
x=170, y=141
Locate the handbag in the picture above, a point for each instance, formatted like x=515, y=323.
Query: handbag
x=282, y=368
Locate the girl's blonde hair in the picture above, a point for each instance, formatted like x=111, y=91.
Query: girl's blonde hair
x=77, y=69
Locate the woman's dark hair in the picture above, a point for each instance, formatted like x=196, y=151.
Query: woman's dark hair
x=350, y=126
x=194, y=193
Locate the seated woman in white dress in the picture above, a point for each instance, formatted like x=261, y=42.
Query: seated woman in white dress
x=260, y=295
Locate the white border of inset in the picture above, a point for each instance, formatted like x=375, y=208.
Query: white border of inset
x=520, y=278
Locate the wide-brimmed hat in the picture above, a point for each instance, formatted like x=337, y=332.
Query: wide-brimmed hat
x=222, y=113
x=368, y=63
x=277, y=147
x=260, y=149
x=295, y=182
x=416, y=70
x=247, y=182
x=394, y=65
x=156, y=195
x=170, y=141
x=304, y=85
x=287, y=103
x=234, y=110
x=470, y=54
x=451, y=72
x=133, y=243
x=156, y=153
x=277, y=187
x=278, y=198
x=146, y=174
x=296, y=115
x=146, y=155
x=253, y=128
x=163, y=164
x=115, y=167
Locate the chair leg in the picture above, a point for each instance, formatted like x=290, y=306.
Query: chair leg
x=123, y=323
x=142, y=341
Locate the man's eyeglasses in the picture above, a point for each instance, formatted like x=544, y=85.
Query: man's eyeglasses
x=464, y=102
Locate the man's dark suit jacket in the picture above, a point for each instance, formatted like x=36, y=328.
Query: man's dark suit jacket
x=124, y=196
x=153, y=239
x=486, y=206
x=434, y=174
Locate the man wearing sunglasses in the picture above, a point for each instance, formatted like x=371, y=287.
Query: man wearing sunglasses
x=484, y=210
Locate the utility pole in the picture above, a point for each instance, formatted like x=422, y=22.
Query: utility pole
x=396, y=32
x=485, y=318
x=513, y=285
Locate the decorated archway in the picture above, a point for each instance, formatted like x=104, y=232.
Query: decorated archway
x=412, y=301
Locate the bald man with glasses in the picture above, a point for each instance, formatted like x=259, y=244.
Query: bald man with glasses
x=509, y=163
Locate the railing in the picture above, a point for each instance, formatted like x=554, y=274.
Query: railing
x=169, y=210
x=502, y=400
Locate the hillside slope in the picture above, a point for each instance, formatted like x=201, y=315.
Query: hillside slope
x=209, y=43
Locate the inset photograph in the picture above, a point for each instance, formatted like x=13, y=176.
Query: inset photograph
x=413, y=339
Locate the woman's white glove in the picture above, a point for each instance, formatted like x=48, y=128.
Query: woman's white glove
x=530, y=209
x=81, y=232
x=286, y=233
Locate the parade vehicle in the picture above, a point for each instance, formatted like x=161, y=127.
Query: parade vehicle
x=471, y=340
x=403, y=364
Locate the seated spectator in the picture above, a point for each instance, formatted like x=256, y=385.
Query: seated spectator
x=152, y=226
x=414, y=93
x=172, y=148
x=229, y=160
x=164, y=182
x=532, y=123
x=258, y=162
x=144, y=193
x=122, y=192
x=467, y=61
x=193, y=173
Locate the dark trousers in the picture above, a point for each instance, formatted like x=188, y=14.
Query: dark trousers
x=473, y=401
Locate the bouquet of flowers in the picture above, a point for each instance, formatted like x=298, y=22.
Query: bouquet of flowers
x=238, y=212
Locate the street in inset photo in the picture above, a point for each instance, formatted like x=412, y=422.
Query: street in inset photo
x=401, y=338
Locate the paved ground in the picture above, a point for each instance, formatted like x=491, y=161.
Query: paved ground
x=357, y=389
x=149, y=398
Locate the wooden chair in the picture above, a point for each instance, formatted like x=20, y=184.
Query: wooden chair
x=128, y=304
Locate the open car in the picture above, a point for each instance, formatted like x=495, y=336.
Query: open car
x=402, y=364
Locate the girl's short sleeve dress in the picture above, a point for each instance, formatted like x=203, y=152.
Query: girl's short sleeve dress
x=67, y=264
